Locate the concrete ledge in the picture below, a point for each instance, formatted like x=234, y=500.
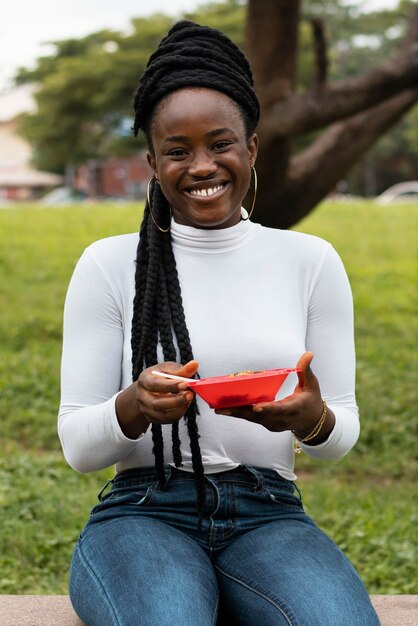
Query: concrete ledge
x=37, y=611
x=396, y=610
x=57, y=611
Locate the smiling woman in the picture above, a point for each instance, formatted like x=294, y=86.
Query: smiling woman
x=203, y=523
x=202, y=157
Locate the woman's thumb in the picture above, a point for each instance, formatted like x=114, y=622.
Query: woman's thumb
x=188, y=369
x=304, y=365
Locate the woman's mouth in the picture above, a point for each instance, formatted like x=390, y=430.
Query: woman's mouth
x=206, y=192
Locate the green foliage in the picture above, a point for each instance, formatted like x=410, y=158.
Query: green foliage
x=84, y=90
x=378, y=246
x=372, y=521
x=44, y=505
x=227, y=16
x=356, y=41
x=363, y=501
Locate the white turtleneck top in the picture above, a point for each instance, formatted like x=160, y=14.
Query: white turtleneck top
x=254, y=298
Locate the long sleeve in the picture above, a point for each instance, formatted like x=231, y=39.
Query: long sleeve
x=330, y=336
x=91, y=370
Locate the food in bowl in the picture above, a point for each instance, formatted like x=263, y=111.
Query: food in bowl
x=246, y=372
x=241, y=388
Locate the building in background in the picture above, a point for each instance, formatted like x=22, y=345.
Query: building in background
x=114, y=177
x=98, y=179
x=18, y=179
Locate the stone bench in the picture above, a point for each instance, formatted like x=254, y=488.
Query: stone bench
x=57, y=611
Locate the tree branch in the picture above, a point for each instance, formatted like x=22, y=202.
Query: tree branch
x=271, y=44
x=320, y=49
x=313, y=110
x=343, y=143
x=315, y=172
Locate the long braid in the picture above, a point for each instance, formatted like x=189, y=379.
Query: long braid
x=176, y=303
x=169, y=351
x=186, y=354
x=140, y=284
x=144, y=330
x=189, y=56
x=158, y=310
x=151, y=340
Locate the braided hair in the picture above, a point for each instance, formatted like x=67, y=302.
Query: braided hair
x=189, y=56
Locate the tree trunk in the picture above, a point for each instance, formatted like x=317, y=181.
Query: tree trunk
x=314, y=173
x=271, y=44
x=358, y=109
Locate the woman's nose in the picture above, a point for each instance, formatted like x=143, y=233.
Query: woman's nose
x=202, y=164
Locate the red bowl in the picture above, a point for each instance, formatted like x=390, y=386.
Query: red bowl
x=221, y=392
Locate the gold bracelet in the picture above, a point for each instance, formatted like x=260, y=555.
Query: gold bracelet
x=317, y=429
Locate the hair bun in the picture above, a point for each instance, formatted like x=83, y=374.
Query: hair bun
x=191, y=55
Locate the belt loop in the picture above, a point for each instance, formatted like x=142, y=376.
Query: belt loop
x=167, y=474
x=298, y=490
x=258, y=475
x=109, y=482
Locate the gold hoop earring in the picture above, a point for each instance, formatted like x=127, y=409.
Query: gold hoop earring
x=163, y=230
x=254, y=196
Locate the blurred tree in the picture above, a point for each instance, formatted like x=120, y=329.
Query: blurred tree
x=84, y=95
x=354, y=111
x=307, y=78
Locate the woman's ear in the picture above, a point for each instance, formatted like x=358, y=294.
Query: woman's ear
x=152, y=163
x=253, y=149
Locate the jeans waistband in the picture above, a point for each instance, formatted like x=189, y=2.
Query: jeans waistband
x=249, y=474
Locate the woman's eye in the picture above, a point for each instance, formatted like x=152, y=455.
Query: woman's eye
x=177, y=152
x=222, y=145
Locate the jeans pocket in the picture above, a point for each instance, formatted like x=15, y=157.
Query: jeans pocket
x=139, y=496
x=284, y=498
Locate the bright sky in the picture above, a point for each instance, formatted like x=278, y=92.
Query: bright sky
x=26, y=25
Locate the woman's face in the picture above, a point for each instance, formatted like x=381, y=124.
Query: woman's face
x=202, y=157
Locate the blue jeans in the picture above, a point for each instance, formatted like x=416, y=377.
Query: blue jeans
x=257, y=560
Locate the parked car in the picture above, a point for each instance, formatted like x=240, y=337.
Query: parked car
x=400, y=193
x=61, y=196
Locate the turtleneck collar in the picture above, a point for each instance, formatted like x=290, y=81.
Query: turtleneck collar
x=212, y=241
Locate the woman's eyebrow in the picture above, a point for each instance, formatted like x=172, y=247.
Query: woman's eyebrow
x=219, y=131
x=175, y=138
x=212, y=133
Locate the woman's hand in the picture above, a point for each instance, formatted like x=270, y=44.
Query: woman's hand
x=155, y=400
x=299, y=412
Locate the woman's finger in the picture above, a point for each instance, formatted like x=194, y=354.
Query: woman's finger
x=165, y=410
x=158, y=384
x=305, y=375
x=165, y=402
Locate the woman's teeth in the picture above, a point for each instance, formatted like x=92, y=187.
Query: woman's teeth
x=205, y=192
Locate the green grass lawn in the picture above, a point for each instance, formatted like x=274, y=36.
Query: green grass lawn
x=365, y=501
